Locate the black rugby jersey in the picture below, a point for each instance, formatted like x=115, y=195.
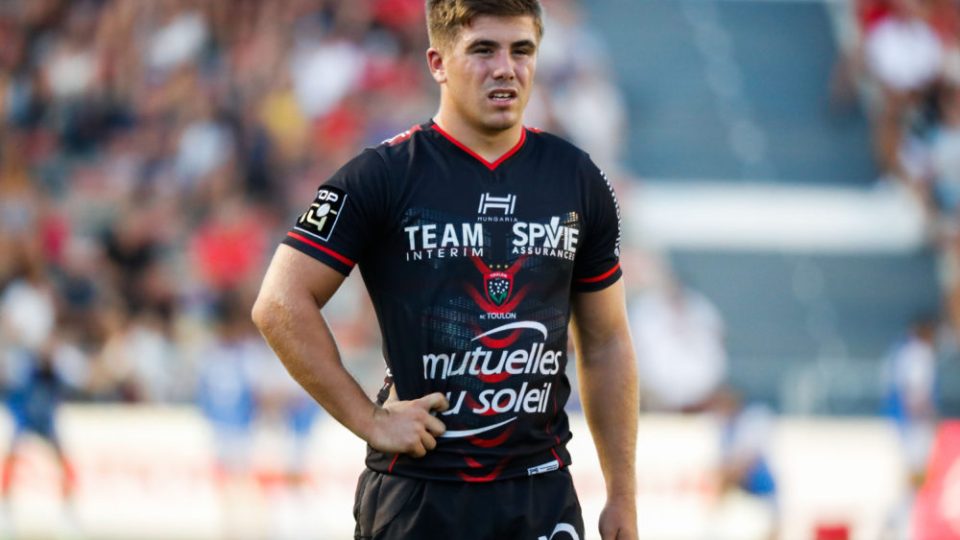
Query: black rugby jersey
x=470, y=266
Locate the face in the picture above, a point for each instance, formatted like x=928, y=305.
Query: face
x=486, y=74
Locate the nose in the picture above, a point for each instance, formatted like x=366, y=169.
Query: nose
x=503, y=66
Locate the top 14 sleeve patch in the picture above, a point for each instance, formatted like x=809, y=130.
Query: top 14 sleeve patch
x=320, y=219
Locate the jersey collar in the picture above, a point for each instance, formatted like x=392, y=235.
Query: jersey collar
x=488, y=164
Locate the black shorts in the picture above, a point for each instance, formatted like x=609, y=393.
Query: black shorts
x=540, y=507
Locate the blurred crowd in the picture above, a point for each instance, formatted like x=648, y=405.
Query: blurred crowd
x=152, y=154
x=903, y=59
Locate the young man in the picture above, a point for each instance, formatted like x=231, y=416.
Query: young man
x=476, y=238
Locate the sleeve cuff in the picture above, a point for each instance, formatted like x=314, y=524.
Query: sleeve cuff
x=314, y=249
x=598, y=282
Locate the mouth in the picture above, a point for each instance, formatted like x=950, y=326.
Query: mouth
x=502, y=96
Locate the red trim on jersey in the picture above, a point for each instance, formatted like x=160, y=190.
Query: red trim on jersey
x=494, y=474
x=392, y=463
x=397, y=139
x=601, y=277
x=494, y=442
x=501, y=343
x=560, y=461
x=478, y=157
x=494, y=377
x=326, y=250
x=547, y=427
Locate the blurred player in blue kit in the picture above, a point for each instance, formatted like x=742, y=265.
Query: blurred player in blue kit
x=479, y=240
x=240, y=384
x=911, y=393
x=33, y=368
x=226, y=390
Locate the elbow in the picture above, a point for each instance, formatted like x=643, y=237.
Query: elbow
x=265, y=312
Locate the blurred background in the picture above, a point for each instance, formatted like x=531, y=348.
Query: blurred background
x=789, y=174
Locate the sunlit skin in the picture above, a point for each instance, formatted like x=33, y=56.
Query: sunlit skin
x=486, y=76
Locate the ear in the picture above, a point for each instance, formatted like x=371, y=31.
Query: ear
x=435, y=63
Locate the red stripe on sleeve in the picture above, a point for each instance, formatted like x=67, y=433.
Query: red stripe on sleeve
x=602, y=276
x=326, y=250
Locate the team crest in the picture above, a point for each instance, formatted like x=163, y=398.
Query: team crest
x=498, y=295
x=498, y=286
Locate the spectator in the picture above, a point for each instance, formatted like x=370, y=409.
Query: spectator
x=904, y=55
x=137, y=363
x=229, y=248
x=678, y=335
x=902, y=52
x=945, y=158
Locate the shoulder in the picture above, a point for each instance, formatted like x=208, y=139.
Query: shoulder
x=397, y=150
x=555, y=144
x=565, y=157
x=403, y=138
x=385, y=160
x=366, y=164
x=383, y=157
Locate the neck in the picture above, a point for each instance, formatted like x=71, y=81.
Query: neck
x=490, y=145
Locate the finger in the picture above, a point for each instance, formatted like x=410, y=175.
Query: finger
x=435, y=426
x=418, y=450
x=428, y=441
x=435, y=402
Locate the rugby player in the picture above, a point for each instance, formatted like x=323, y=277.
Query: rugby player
x=479, y=240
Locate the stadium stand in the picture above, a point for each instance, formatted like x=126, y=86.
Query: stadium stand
x=750, y=101
x=752, y=106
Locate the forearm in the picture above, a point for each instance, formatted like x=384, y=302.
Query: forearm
x=287, y=312
x=608, y=391
x=299, y=335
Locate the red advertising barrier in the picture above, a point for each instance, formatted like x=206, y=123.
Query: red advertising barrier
x=937, y=512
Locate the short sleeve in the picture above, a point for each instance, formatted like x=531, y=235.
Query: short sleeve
x=597, y=264
x=346, y=214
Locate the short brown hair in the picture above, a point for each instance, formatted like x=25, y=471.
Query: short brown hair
x=445, y=18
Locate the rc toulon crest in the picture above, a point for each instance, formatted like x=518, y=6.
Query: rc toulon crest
x=498, y=295
x=498, y=286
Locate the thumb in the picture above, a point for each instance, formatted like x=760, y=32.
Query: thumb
x=435, y=402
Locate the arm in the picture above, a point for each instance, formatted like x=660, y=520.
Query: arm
x=287, y=312
x=607, y=371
